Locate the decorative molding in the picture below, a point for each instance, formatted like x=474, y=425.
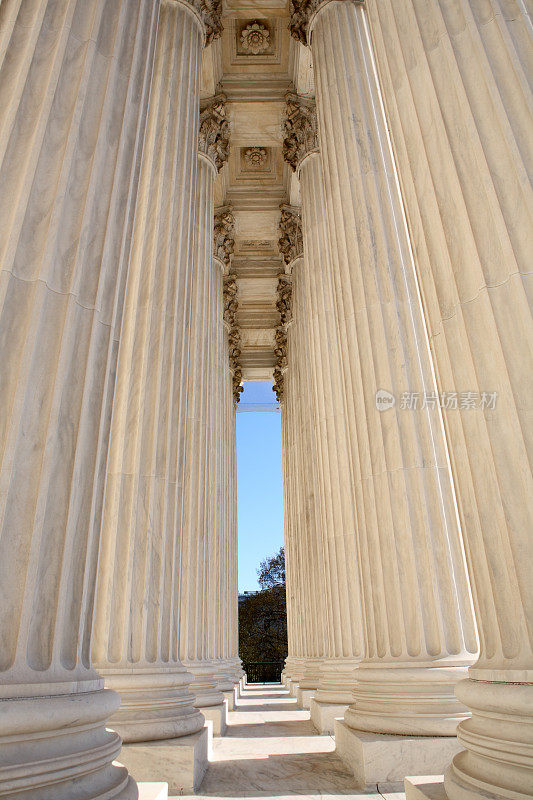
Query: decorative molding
x=211, y=14
x=283, y=305
x=255, y=38
x=213, y=134
x=300, y=128
x=231, y=304
x=255, y=157
x=290, y=242
x=301, y=11
x=223, y=235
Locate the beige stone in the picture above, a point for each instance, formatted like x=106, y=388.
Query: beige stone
x=375, y=757
x=181, y=762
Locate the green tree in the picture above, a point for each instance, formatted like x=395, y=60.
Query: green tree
x=263, y=615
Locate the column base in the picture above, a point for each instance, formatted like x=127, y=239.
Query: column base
x=425, y=787
x=230, y=698
x=323, y=715
x=381, y=757
x=153, y=791
x=218, y=715
x=293, y=687
x=180, y=762
x=57, y=747
x=304, y=697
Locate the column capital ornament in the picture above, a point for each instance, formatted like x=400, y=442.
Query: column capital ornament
x=300, y=128
x=283, y=305
x=223, y=238
x=211, y=13
x=213, y=133
x=290, y=242
x=301, y=11
x=231, y=305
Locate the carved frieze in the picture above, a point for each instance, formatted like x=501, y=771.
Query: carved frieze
x=213, y=133
x=224, y=235
x=290, y=242
x=301, y=11
x=300, y=128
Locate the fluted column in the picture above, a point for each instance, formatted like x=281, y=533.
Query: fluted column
x=201, y=554
x=137, y=623
x=419, y=634
x=455, y=79
x=307, y=569
x=336, y=514
x=224, y=444
x=74, y=85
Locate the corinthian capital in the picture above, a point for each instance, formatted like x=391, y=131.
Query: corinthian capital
x=213, y=134
x=211, y=14
x=290, y=242
x=224, y=229
x=301, y=12
x=301, y=135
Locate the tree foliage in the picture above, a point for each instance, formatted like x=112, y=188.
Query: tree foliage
x=271, y=571
x=263, y=615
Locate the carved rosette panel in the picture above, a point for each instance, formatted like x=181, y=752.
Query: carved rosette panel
x=283, y=305
x=300, y=12
x=300, y=128
x=224, y=235
x=211, y=13
x=231, y=305
x=290, y=242
x=255, y=38
x=213, y=133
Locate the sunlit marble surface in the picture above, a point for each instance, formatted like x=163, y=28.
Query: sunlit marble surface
x=271, y=750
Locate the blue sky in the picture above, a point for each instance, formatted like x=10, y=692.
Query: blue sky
x=259, y=483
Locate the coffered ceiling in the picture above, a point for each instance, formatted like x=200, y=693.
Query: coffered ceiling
x=254, y=64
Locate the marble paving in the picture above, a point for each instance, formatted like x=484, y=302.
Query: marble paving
x=271, y=750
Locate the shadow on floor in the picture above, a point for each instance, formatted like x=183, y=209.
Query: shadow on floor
x=271, y=750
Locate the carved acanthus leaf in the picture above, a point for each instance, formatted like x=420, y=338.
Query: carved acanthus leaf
x=234, y=337
x=211, y=13
x=213, y=133
x=301, y=133
x=300, y=12
x=224, y=238
x=290, y=242
x=284, y=291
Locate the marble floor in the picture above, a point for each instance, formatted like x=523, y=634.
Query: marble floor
x=271, y=750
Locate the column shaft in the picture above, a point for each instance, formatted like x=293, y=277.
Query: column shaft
x=419, y=633
x=200, y=545
x=74, y=85
x=455, y=79
x=136, y=643
x=337, y=520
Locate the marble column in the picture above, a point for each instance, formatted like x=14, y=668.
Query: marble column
x=74, y=87
x=224, y=445
x=455, y=83
x=418, y=626
x=202, y=529
x=336, y=513
x=294, y=382
x=137, y=621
